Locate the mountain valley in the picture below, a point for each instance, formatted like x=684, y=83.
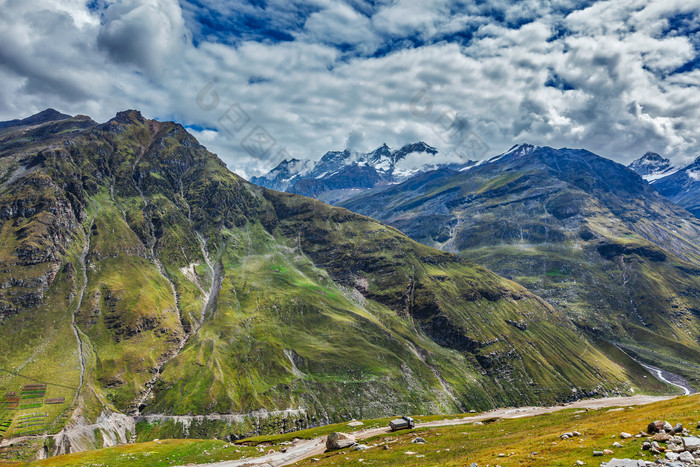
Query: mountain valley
x=148, y=292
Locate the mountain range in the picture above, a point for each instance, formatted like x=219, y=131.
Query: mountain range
x=585, y=233
x=339, y=175
x=680, y=185
x=148, y=292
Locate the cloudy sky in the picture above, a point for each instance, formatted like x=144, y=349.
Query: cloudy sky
x=260, y=80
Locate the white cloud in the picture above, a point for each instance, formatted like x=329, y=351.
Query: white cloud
x=145, y=33
x=311, y=98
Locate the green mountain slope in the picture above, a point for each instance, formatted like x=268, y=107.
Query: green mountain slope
x=583, y=232
x=141, y=277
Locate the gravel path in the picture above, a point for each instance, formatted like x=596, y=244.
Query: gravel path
x=303, y=449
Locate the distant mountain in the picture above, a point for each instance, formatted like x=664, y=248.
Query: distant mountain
x=582, y=231
x=48, y=115
x=652, y=166
x=342, y=174
x=683, y=187
x=140, y=278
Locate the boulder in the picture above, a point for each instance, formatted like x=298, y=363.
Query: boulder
x=662, y=437
x=625, y=463
x=691, y=443
x=678, y=428
x=672, y=456
x=655, y=427
x=667, y=427
x=338, y=440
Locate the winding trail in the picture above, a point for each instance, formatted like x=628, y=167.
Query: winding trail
x=303, y=449
x=83, y=266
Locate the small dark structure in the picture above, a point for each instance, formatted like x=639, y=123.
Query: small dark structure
x=402, y=423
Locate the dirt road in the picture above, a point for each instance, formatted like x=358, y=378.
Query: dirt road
x=303, y=449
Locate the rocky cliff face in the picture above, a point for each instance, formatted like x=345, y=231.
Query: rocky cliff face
x=145, y=278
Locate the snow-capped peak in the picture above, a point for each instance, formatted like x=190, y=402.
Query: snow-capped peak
x=652, y=167
x=338, y=170
x=516, y=151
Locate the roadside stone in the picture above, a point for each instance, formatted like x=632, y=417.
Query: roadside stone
x=624, y=435
x=338, y=440
x=418, y=441
x=478, y=423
